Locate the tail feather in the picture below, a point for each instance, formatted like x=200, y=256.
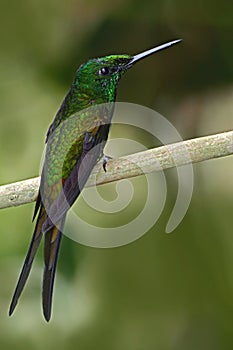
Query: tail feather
x=51, y=251
x=35, y=242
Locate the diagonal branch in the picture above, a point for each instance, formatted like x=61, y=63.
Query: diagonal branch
x=156, y=159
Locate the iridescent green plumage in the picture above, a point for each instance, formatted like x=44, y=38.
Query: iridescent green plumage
x=75, y=142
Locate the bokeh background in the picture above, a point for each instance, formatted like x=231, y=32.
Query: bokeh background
x=166, y=292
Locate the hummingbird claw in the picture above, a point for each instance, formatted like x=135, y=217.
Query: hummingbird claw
x=105, y=160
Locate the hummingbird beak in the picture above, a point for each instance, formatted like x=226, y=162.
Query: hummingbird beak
x=144, y=54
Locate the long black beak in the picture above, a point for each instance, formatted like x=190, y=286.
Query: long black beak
x=144, y=54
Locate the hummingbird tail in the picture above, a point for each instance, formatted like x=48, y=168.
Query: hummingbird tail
x=51, y=251
x=35, y=242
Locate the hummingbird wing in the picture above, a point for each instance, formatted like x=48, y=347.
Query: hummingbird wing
x=93, y=145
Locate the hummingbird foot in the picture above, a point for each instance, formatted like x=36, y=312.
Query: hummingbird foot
x=105, y=160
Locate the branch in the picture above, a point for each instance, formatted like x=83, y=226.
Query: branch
x=156, y=159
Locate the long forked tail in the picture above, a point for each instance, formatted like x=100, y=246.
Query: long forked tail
x=51, y=251
x=35, y=242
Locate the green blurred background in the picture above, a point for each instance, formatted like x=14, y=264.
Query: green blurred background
x=163, y=291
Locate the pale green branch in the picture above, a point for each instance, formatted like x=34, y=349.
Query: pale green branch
x=156, y=159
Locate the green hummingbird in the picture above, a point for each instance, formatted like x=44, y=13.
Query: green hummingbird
x=74, y=144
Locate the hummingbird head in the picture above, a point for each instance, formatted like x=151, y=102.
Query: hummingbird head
x=100, y=76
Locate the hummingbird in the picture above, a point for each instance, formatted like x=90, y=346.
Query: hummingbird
x=74, y=144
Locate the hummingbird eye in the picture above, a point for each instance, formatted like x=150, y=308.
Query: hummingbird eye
x=104, y=71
